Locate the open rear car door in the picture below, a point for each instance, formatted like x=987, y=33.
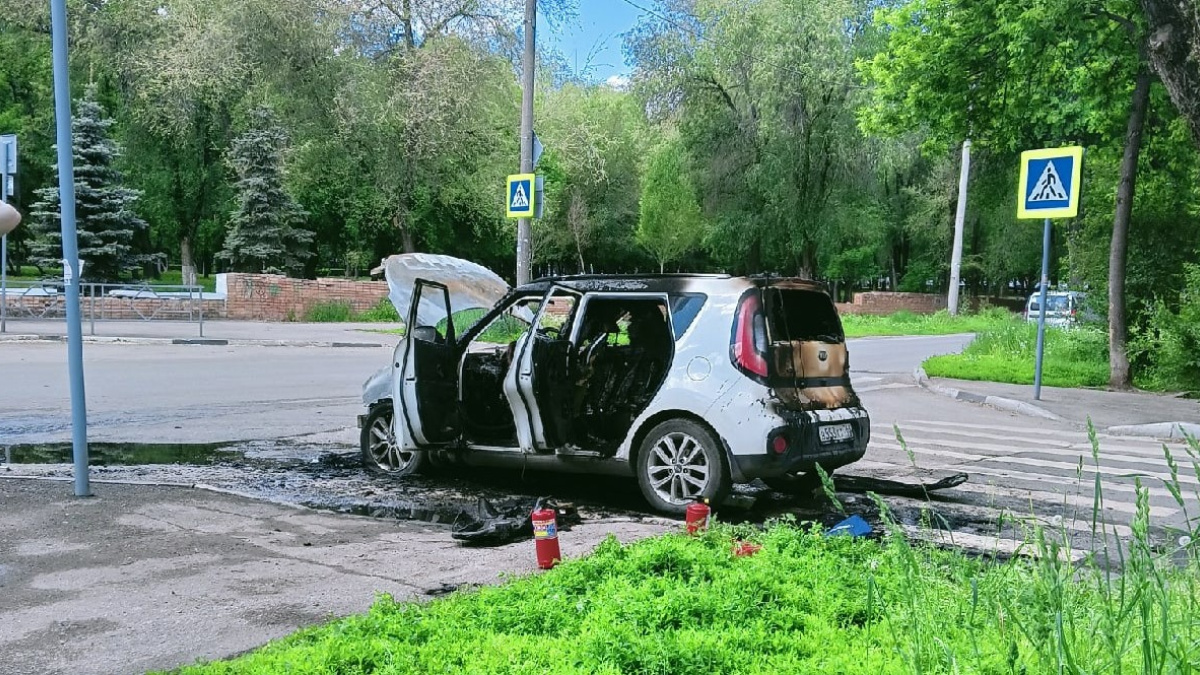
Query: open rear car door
x=424, y=387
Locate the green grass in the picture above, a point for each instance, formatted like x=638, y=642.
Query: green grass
x=1077, y=357
x=341, y=311
x=940, y=323
x=805, y=603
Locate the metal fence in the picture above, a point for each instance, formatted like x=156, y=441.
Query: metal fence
x=105, y=302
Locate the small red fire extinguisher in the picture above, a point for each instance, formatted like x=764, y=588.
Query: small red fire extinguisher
x=545, y=536
x=697, y=516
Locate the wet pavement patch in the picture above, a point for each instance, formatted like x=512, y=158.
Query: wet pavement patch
x=122, y=454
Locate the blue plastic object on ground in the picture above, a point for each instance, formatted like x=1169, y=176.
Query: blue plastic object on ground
x=853, y=526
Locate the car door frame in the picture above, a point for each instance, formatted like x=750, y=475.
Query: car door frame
x=406, y=387
x=518, y=381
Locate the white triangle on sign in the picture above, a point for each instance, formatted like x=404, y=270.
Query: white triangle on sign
x=519, y=200
x=1049, y=187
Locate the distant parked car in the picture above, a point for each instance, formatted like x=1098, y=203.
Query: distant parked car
x=1063, y=308
x=687, y=382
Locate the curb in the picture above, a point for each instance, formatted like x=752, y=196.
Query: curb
x=208, y=342
x=1170, y=430
x=999, y=402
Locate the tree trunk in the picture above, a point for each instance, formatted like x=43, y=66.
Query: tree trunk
x=189, y=264
x=1117, y=329
x=1174, y=46
x=406, y=237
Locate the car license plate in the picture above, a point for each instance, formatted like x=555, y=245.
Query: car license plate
x=835, y=433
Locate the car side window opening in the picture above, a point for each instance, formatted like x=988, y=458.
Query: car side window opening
x=486, y=415
x=622, y=353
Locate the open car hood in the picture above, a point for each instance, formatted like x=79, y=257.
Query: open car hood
x=471, y=286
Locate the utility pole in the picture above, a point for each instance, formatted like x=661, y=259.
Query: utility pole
x=524, y=233
x=959, y=217
x=66, y=201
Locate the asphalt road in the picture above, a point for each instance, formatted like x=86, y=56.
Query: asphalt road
x=152, y=393
x=183, y=393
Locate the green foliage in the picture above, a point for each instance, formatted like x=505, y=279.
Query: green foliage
x=334, y=311
x=383, y=312
x=341, y=311
x=106, y=225
x=1075, y=357
x=265, y=233
x=1170, y=342
x=940, y=323
x=805, y=603
x=670, y=223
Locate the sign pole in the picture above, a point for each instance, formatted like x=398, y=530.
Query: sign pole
x=1049, y=187
x=524, y=225
x=70, y=244
x=1041, y=333
x=4, y=252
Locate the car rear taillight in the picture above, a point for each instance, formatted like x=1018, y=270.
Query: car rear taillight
x=779, y=445
x=750, y=337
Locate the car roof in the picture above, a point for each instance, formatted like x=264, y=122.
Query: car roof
x=664, y=283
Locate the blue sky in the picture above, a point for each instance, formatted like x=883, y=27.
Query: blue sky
x=596, y=31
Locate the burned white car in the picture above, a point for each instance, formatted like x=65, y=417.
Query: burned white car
x=687, y=382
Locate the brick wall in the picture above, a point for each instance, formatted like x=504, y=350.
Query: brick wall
x=882, y=302
x=879, y=302
x=270, y=297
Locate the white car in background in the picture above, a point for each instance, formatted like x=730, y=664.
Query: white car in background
x=687, y=382
x=1063, y=308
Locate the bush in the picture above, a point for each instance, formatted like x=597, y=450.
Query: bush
x=383, y=312
x=1168, y=347
x=329, y=312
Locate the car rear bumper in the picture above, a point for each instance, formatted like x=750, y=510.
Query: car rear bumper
x=804, y=448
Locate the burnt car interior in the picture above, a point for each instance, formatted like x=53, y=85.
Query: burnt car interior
x=589, y=390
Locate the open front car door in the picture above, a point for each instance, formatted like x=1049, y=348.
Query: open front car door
x=424, y=386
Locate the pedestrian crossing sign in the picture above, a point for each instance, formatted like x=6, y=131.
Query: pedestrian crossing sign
x=522, y=199
x=1049, y=185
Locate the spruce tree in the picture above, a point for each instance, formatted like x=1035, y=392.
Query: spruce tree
x=264, y=232
x=104, y=217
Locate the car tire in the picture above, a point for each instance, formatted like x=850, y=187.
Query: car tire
x=380, y=450
x=680, y=462
x=798, y=484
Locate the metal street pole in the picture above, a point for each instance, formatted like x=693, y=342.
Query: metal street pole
x=4, y=253
x=524, y=234
x=1041, y=338
x=960, y=217
x=66, y=201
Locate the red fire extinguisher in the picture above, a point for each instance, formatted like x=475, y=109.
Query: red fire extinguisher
x=545, y=536
x=697, y=516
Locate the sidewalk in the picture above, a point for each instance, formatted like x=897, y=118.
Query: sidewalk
x=218, y=332
x=1134, y=413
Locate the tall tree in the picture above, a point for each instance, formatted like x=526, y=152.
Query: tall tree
x=763, y=94
x=670, y=225
x=265, y=233
x=106, y=223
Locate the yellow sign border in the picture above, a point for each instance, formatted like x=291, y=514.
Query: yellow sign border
x=1069, y=211
x=517, y=178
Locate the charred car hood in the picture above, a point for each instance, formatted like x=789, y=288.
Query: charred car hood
x=471, y=286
